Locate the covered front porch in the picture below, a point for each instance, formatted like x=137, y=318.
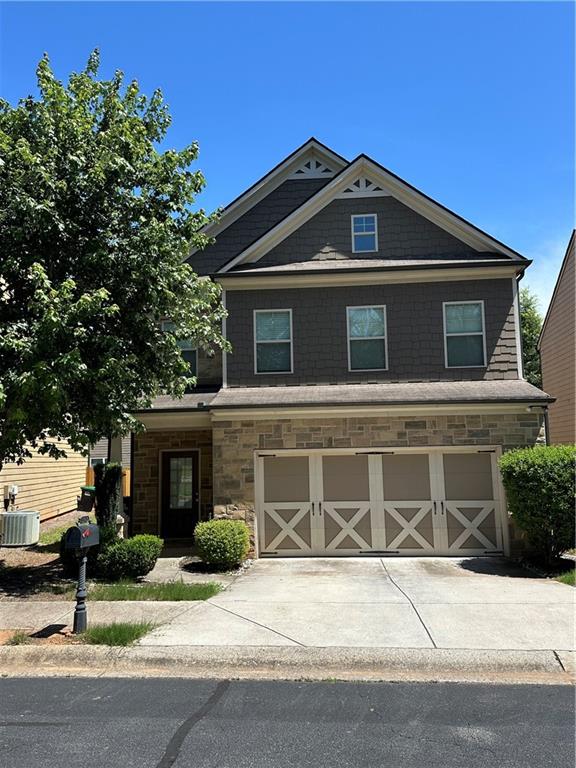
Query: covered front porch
x=172, y=483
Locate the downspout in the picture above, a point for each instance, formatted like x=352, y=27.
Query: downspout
x=131, y=505
x=546, y=425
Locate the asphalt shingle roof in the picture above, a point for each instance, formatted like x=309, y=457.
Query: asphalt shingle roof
x=353, y=264
x=389, y=393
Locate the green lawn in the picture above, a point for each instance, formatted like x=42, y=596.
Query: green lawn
x=174, y=590
x=568, y=577
x=121, y=633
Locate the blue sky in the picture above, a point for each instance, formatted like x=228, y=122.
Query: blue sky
x=471, y=102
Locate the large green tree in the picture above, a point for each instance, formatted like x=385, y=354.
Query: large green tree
x=95, y=224
x=531, y=323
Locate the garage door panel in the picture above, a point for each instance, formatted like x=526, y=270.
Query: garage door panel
x=406, y=477
x=470, y=525
x=468, y=476
x=345, y=478
x=347, y=527
x=286, y=478
x=286, y=528
x=409, y=526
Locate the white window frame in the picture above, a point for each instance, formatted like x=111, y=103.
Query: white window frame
x=468, y=333
x=360, y=216
x=272, y=341
x=366, y=338
x=192, y=349
x=94, y=460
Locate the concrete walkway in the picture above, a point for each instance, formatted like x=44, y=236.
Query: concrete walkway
x=480, y=603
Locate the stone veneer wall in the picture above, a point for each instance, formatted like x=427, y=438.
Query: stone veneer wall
x=147, y=447
x=234, y=443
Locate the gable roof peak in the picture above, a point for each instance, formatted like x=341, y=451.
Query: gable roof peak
x=281, y=172
x=388, y=183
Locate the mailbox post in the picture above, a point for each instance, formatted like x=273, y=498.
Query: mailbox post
x=81, y=538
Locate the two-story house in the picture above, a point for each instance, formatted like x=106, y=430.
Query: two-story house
x=375, y=375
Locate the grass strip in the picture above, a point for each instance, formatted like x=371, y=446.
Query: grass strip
x=18, y=638
x=569, y=577
x=172, y=590
x=120, y=633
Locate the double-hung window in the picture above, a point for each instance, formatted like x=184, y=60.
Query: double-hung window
x=367, y=342
x=365, y=233
x=187, y=348
x=273, y=341
x=464, y=334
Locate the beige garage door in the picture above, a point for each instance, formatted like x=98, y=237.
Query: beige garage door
x=421, y=503
x=469, y=508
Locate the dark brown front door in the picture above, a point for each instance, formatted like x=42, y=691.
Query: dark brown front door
x=180, y=494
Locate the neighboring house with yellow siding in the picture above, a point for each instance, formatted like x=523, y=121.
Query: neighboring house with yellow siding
x=557, y=346
x=46, y=485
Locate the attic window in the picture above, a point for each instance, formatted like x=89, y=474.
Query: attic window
x=365, y=233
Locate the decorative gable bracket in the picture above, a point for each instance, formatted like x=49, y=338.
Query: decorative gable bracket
x=363, y=187
x=312, y=168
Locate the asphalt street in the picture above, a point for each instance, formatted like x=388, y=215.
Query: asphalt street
x=159, y=723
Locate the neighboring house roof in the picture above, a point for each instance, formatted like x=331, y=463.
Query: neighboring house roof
x=386, y=182
x=569, y=253
x=396, y=393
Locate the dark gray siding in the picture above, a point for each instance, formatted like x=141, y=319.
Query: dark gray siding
x=402, y=233
x=415, y=332
x=258, y=220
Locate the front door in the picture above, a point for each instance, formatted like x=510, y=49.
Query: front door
x=180, y=494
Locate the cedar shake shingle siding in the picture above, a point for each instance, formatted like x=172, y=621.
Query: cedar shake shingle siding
x=557, y=353
x=254, y=223
x=402, y=233
x=415, y=332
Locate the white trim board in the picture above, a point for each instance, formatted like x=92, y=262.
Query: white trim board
x=401, y=190
x=517, y=330
x=367, y=411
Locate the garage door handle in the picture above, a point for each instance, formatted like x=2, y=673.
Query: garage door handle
x=442, y=507
x=312, y=507
x=434, y=507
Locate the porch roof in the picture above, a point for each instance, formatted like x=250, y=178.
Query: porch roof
x=389, y=393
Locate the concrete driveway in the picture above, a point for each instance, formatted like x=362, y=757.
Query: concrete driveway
x=480, y=603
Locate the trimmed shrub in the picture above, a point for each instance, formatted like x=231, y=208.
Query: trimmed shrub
x=539, y=484
x=222, y=543
x=129, y=558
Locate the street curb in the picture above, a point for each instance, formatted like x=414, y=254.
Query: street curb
x=273, y=663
